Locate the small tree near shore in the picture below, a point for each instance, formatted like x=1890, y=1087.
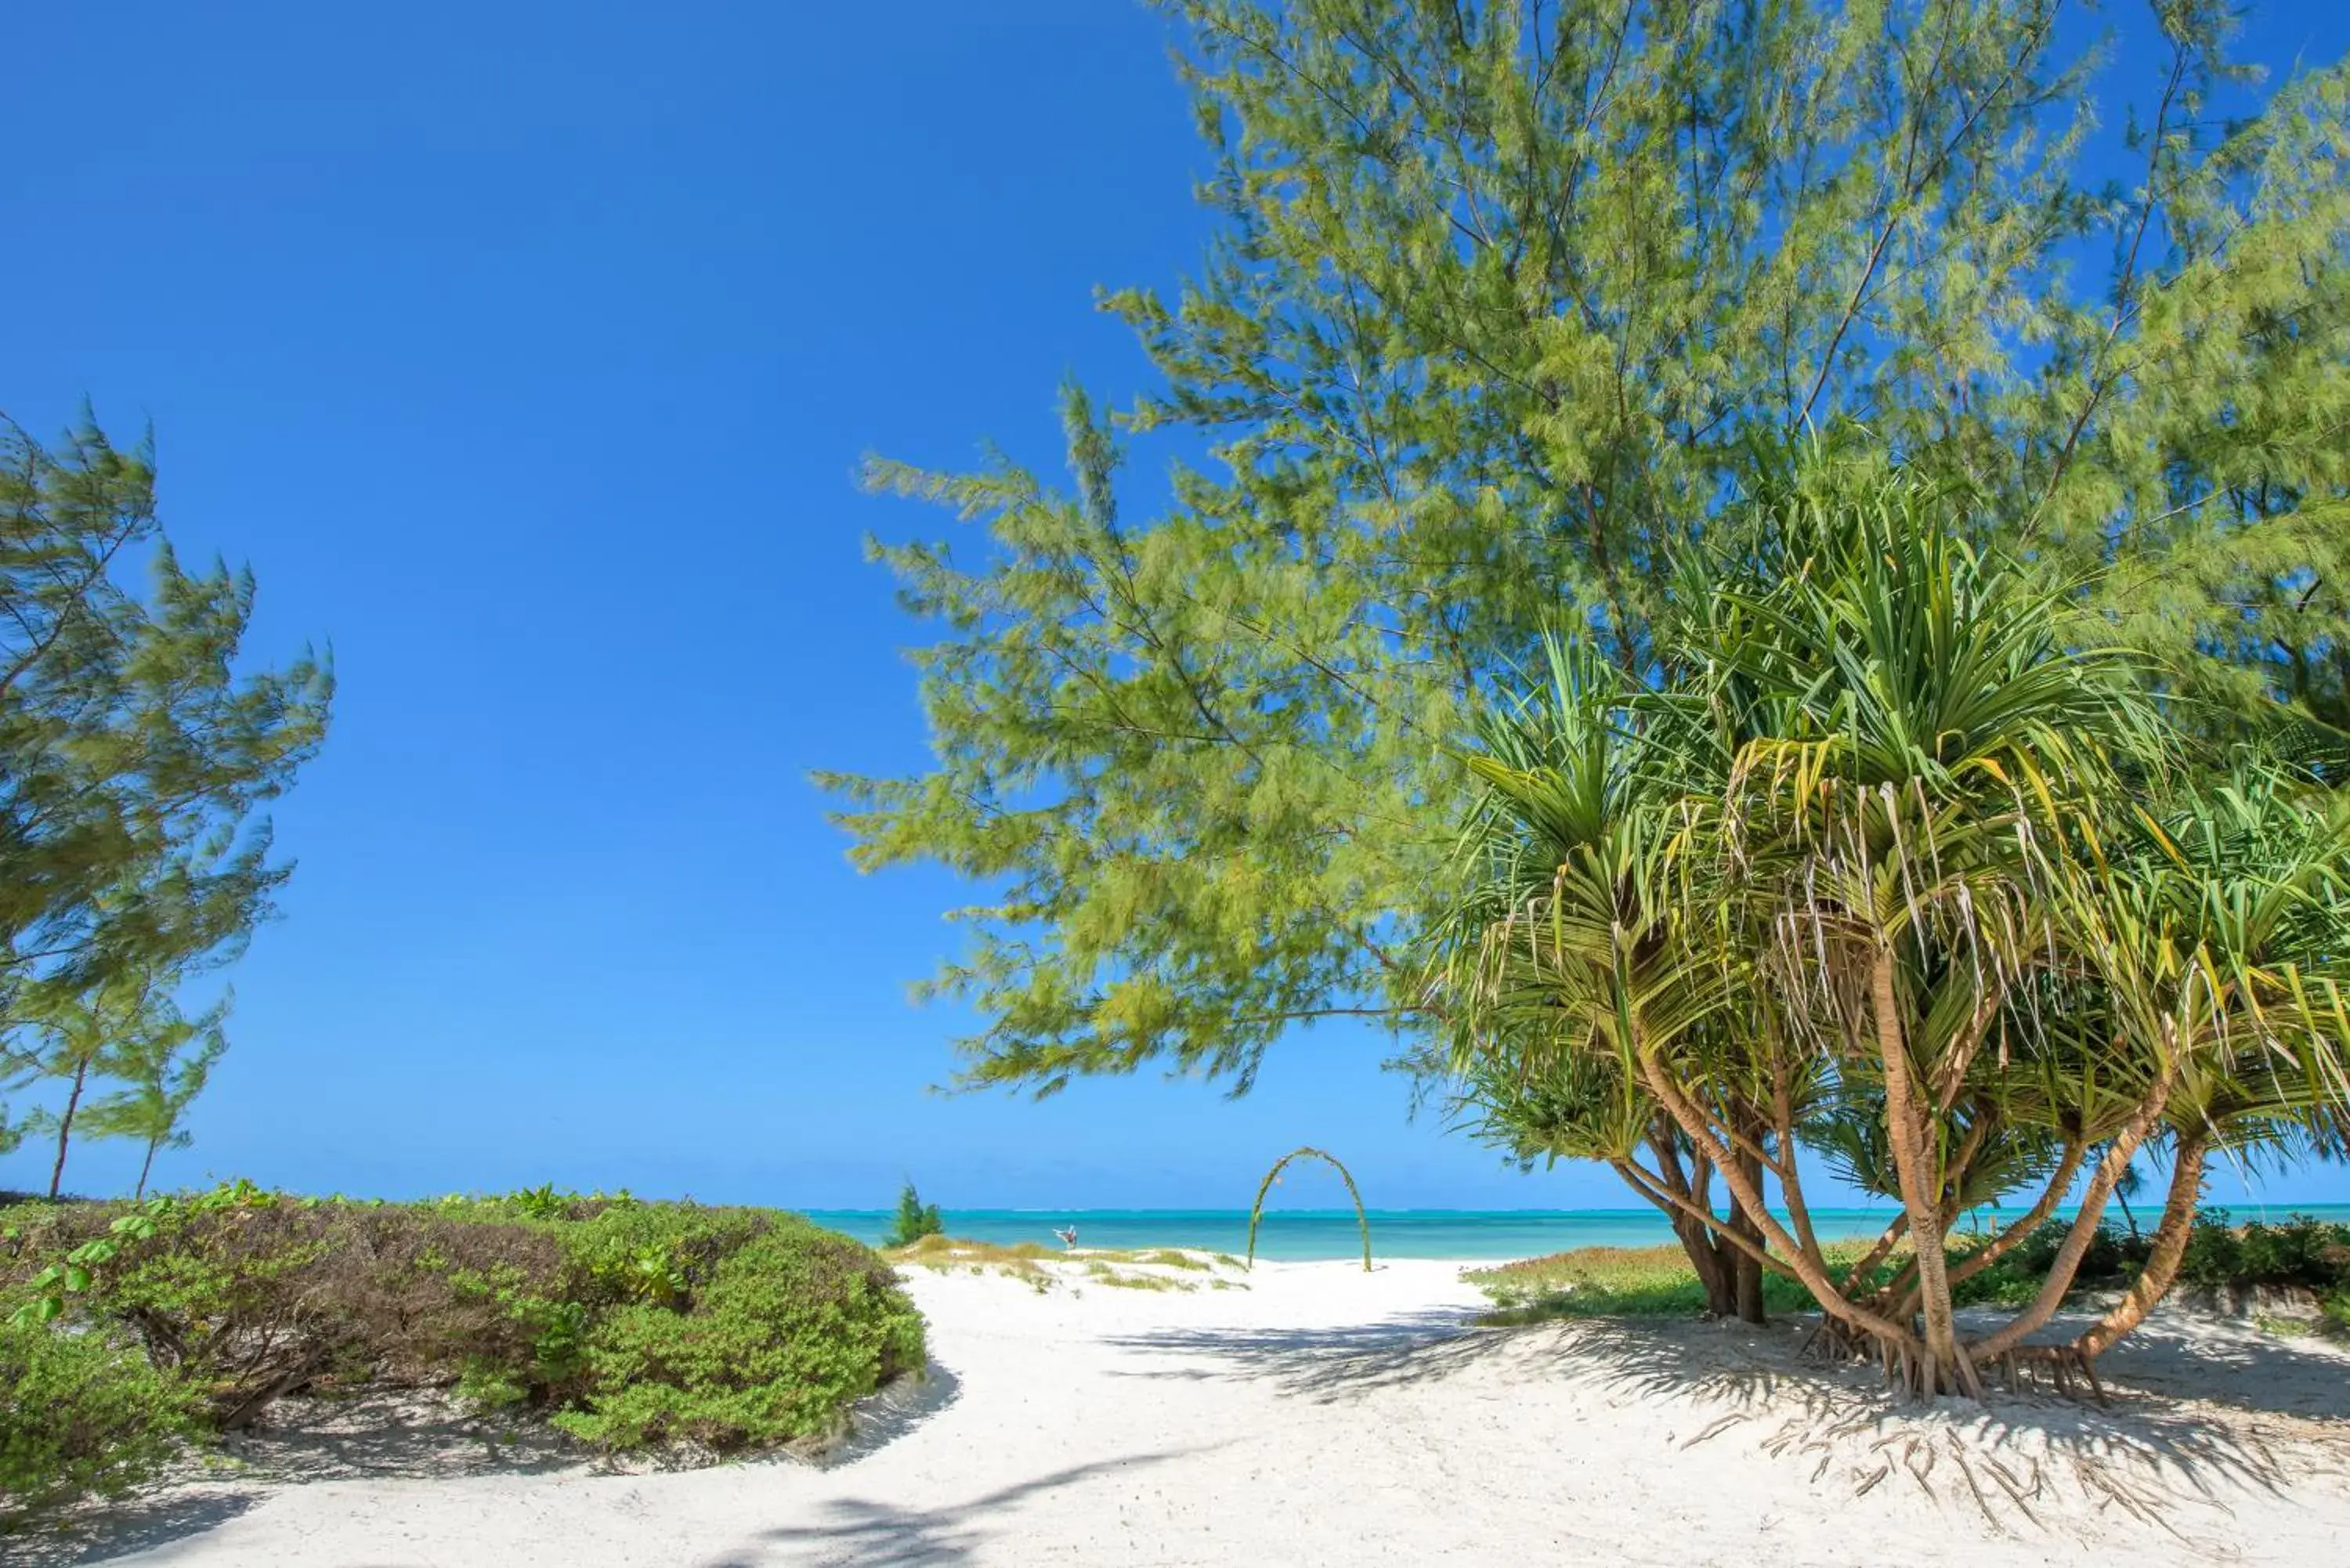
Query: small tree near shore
x=914, y=1221
x=163, y=1066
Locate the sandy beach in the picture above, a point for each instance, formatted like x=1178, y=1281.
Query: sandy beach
x=1326, y=1416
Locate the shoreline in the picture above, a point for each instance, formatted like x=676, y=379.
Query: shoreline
x=1308, y=1235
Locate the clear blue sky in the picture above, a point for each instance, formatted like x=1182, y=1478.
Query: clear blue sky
x=527, y=351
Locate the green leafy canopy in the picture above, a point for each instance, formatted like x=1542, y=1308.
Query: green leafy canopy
x=1502, y=297
x=137, y=749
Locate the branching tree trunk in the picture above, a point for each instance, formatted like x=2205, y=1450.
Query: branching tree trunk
x=1714, y=1263
x=2067, y=1262
x=1912, y=1132
x=2170, y=1238
x=1748, y=1197
x=1681, y=1189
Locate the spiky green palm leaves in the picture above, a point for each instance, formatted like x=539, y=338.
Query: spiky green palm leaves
x=1924, y=746
x=2219, y=931
x=1564, y=949
x=1870, y=864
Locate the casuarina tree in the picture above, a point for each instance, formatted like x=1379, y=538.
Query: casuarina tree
x=137, y=744
x=1501, y=298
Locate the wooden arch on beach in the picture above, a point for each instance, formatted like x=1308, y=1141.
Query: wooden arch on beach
x=1256, y=1210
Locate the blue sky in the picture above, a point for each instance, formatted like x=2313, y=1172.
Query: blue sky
x=527, y=351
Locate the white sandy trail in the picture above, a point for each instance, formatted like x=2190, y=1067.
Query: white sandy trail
x=1325, y=1416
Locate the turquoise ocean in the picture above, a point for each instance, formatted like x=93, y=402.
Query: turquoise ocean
x=1303, y=1234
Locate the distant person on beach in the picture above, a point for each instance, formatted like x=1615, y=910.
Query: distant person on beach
x=1068, y=1237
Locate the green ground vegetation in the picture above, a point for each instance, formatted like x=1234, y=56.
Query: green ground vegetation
x=628, y=1325
x=2221, y=1256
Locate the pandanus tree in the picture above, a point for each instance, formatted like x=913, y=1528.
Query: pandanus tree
x=2219, y=931
x=1879, y=874
x=1562, y=946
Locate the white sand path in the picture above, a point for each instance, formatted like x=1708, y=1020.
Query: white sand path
x=1325, y=1416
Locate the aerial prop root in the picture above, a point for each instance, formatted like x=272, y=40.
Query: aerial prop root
x=2066, y=1370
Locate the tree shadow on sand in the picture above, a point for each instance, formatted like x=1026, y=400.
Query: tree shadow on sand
x=882, y=1418
x=414, y=1436
x=860, y=1530
x=125, y=1525
x=411, y=1437
x=2201, y=1417
x=2200, y=1410
x=424, y=1435
x=1324, y=1363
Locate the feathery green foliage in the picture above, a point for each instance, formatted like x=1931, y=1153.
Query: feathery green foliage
x=1501, y=299
x=134, y=752
x=162, y=1063
x=914, y=1221
x=127, y=1030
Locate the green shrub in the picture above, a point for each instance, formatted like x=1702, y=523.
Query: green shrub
x=2301, y=1251
x=629, y=1323
x=1611, y=1281
x=2111, y=1255
x=1622, y=1281
x=788, y=1331
x=252, y=1296
x=80, y=1414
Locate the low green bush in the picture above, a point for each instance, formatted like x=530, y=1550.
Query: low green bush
x=2313, y=1254
x=788, y=1330
x=80, y=1414
x=1647, y=1282
x=627, y=1324
x=2304, y=1251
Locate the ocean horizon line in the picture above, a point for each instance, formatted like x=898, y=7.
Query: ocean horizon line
x=1302, y=1235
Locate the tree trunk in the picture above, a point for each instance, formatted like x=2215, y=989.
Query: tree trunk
x=1749, y=1268
x=2067, y=1262
x=2170, y=1237
x=1911, y=1135
x=64, y=1128
x=146, y=1166
x=2007, y=1241
x=1713, y=1270
x=1731, y=1277
x=1749, y=1198
x=1750, y=1288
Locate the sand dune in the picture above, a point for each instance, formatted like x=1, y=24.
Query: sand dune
x=1325, y=1416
